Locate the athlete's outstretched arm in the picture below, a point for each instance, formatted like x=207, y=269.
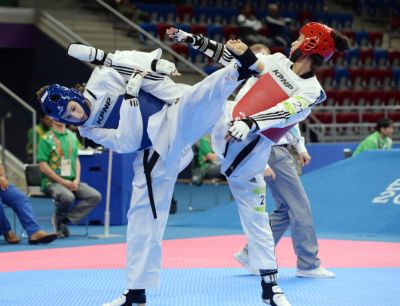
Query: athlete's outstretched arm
x=214, y=50
x=126, y=138
x=285, y=113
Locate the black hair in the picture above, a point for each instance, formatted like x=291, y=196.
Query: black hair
x=341, y=44
x=383, y=123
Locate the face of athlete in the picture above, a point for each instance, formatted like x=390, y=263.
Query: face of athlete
x=296, y=44
x=74, y=113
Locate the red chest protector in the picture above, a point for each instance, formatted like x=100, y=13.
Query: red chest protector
x=267, y=92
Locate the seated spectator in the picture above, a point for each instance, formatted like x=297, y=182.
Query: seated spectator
x=206, y=162
x=40, y=129
x=380, y=139
x=249, y=26
x=279, y=27
x=19, y=203
x=61, y=169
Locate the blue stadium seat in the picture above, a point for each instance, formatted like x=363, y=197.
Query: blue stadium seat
x=362, y=38
x=380, y=57
x=215, y=32
x=352, y=56
x=396, y=78
x=341, y=76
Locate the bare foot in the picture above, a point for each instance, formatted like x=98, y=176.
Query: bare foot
x=236, y=46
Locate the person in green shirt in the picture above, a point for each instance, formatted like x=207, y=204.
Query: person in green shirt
x=41, y=128
x=61, y=171
x=378, y=140
x=206, y=162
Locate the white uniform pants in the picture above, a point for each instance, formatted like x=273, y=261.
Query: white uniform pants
x=248, y=189
x=193, y=116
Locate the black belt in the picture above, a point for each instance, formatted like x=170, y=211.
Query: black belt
x=286, y=145
x=242, y=155
x=148, y=166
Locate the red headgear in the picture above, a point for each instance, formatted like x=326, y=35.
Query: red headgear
x=317, y=40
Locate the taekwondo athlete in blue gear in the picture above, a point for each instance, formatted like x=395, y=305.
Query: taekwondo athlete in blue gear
x=172, y=131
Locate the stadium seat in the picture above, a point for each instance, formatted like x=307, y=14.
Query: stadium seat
x=394, y=58
x=395, y=116
x=324, y=117
x=148, y=27
x=325, y=76
x=366, y=57
x=352, y=56
x=331, y=97
x=380, y=57
x=351, y=35
x=215, y=32
x=181, y=49
x=341, y=75
x=231, y=31
x=345, y=97
x=184, y=12
x=375, y=39
x=357, y=77
x=362, y=98
x=198, y=29
x=362, y=38
x=383, y=77
x=347, y=117
x=161, y=28
x=396, y=78
x=338, y=59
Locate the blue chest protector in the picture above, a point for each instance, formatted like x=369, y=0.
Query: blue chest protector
x=148, y=104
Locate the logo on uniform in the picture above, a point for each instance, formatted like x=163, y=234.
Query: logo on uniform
x=104, y=111
x=282, y=79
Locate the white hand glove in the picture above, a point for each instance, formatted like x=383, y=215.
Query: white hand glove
x=181, y=36
x=134, y=84
x=241, y=128
x=166, y=67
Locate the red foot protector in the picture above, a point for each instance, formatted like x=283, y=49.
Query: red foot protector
x=264, y=94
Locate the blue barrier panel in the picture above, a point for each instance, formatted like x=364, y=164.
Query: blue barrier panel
x=360, y=195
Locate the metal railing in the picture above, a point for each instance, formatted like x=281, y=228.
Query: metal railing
x=150, y=37
x=27, y=107
x=332, y=132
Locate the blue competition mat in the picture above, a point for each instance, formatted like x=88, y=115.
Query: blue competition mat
x=199, y=287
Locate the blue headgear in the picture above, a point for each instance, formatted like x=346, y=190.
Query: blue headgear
x=55, y=100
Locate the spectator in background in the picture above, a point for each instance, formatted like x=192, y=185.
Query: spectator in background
x=279, y=27
x=19, y=202
x=206, y=162
x=249, y=26
x=40, y=129
x=380, y=139
x=59, y=163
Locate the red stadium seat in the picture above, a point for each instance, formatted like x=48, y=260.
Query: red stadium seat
x=348, y=117
x=372, y=117
x=395, y=116
x=345, y=97
x=383, y=77
x=181, y=49
x=325, y=76
x=362, y=97
x=198, y=29
x=394, y=58
x=375, y=39
x=161, y=28
x=366, y=57
x=357, y=76
x=331, y=97
x=324, y=117
x=184, y=12
x=231, y=32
